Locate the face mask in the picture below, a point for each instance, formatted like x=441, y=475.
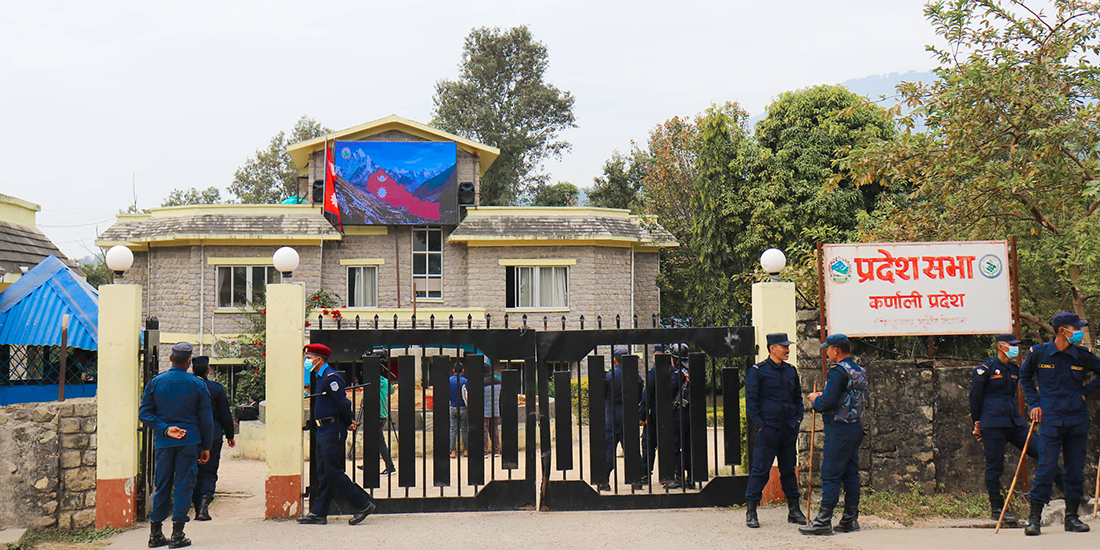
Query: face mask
x=1013, y=351
x=1078, y=335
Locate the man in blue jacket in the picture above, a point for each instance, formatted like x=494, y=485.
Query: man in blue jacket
x=841, y=405
x=1053, y=379
x=332, y=415
x=773, y=401
x=176, y=406
x=223, y=425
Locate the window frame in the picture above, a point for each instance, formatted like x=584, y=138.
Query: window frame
x=427, y=255
x=249, y=288
x=513, y=287
x=350, y=301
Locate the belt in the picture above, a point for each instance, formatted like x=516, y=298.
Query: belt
x=326, y=420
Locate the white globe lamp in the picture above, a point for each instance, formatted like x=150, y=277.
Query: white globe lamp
x=285, y=260
x=119, y=259
x=773, y=261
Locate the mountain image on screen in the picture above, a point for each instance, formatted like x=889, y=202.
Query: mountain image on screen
x=396, y=183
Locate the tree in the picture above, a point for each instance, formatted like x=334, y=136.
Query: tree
x=501, y=99
x=1011, y=146
x=95, y=270
x=270, y=177
x=178, y=197
x=560, y=194
x=619, y=185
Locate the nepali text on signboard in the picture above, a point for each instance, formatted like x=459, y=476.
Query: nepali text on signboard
x=916, y=289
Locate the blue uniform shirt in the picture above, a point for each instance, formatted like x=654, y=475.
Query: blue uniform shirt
x=178, y=398
x=773, y=394
x=458, y=390
x=332, y=401
x=993, y=395
x=836, y=385
x=1055, y=381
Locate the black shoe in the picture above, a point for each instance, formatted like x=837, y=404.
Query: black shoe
x=310, y=519
x=794, y=513
x=849, y=521
x=1073, y=522
x=751, y=520
x=996, y=504
x=603, y=487
x=673, y=485
x=1034, y=519
x=178, y=540
x=821, y=525
x=388, y=471
x=156, y=534
x=202, y=512
x=362, y=514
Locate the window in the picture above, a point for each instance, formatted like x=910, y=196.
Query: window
x=363, y=286
x=241, y=285
x=537, y=286
x=427, y=259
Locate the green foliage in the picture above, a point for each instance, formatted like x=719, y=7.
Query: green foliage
x=1011, y=146
x=270, y=177
x=909, y=507
x=54, y=536
x=560, y=194
x=179, y=197
x=95, y=270
x=501, y=99
x=619, y=185
x=578, y=391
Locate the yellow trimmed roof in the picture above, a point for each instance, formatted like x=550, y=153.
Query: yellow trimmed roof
x=300, y=152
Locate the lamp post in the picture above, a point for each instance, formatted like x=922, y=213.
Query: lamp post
x=285, y=260
x=119, y=259
x=283, y=389
x=773, y=261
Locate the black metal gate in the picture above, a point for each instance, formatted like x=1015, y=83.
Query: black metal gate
x=149, y=359
x=548, y=368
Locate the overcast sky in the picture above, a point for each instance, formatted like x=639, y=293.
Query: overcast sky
x=98, y=95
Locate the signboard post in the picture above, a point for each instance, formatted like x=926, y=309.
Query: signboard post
x=918, y=289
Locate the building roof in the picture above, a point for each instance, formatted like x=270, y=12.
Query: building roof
x=277, y=222
x=300, y=152
x=500, y=223
x=25, y=246
x=32, y=307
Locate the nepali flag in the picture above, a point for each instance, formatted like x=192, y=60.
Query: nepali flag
x=331, y=206
x=394, y=194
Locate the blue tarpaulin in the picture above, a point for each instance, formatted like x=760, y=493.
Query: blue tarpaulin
x=31, y=308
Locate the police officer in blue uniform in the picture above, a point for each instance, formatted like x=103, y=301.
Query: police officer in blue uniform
x=997, y=418
x=332, y=414
x=176, y=406
x=613, y=410
x=773, y=401
x=841, y=405
x=223, y=425
x=681, y=418
x=1053, y=378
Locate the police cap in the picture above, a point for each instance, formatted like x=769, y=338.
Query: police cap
x=182, y=349
x=778, y=338
x=1006, y=338
x=1067, y=318
x=834, y=339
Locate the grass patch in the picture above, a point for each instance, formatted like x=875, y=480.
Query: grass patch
x=913, y=505
x=57, y=538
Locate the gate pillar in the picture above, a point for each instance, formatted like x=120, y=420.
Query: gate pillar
x=118, y=397
x=285, y=410
x=773, y=310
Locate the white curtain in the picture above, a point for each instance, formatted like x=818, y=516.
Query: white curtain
x=364, y=288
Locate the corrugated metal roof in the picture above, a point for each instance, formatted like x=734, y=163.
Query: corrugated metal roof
x=31, y=308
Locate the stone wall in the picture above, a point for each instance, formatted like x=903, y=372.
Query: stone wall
x=917, y=423
x=49, y=464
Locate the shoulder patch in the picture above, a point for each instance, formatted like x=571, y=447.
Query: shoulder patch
x=981, y=370
x=334, y=385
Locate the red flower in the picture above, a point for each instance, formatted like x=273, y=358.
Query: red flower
x=324, y=311
x=256, y=371
x=264, y=354
x=307, y=323
x=258, y=343
x=264, y=311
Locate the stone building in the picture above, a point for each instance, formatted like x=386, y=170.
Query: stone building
x=203, y=266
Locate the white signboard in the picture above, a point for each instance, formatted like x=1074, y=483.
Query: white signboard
x=918, y=289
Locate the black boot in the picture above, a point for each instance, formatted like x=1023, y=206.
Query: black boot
x=849, y=521
x=996, y=504
x=178, y=540
x=1073, y=523
x=156, y=534
x=202, y=510
x=821, y=525
x=794, y=513
x=750, y=514
x=1034, y=519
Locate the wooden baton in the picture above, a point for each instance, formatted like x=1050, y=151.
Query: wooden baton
x=1012, y=488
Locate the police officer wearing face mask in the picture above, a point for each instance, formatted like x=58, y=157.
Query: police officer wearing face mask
x=1053, y=378
x=996, y=417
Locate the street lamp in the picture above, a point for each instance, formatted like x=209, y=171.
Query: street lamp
x=773, y=261
x=119, y=259
x=285, y=260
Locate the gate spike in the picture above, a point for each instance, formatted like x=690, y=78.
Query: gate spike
x=375, y=321
x=654, y=320
x=451, y=321
x=505, y=320
x=545, y=323
x=618, y=321
x=339, y=322
x=635, y=320
x=470, y=320
x=525, y=320
x=413, y=320
x=582, y=322
x=599, y=321
x=431, y=321
x=395, y=321
x=320, y=321
x=356, y=322
x=563, y=322
x=488, y=319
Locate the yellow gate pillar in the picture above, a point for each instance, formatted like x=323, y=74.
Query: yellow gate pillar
x=118, y=397
x=285, y=338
